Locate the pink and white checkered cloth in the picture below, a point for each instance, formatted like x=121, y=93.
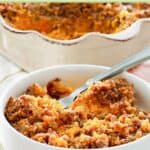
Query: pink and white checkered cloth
x=142, y=70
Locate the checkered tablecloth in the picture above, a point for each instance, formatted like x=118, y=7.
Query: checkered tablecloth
x=10, y=72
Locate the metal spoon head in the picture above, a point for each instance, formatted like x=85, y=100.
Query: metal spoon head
x=66, y=101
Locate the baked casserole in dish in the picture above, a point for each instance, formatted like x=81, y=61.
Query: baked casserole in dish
x=72, y=33
x=66, y=21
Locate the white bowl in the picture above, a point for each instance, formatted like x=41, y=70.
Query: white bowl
x=74, y=75
x=32, y=50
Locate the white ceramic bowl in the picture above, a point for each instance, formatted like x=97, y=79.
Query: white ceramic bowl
x=74, y=75
x=32, y=50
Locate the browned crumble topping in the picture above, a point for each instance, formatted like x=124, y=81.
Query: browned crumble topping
x=56, y=89
x=71, y=20
x=103, y=116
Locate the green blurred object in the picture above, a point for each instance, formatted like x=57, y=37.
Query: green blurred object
x=67, y=1
x=1, y=147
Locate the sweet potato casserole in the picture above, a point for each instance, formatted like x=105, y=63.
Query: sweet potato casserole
x=105, y=115
x=67, y=21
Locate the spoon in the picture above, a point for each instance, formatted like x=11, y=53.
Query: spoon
x=115, y=70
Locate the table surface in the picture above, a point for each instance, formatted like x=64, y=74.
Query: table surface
x=8, y=69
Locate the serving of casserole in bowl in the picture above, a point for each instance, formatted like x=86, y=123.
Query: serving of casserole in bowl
x=68, y=30
x=106, y=116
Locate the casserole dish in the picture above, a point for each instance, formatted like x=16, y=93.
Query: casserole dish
x=74, y=75
x=22, y=45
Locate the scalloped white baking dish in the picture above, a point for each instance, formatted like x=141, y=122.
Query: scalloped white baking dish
x=32, y=50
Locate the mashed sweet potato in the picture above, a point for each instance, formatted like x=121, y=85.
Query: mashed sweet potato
x=104, y=115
